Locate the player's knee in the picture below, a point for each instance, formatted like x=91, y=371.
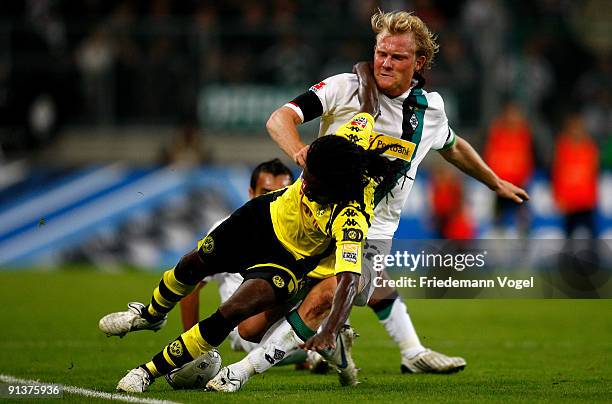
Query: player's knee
x=190, y=269
x=318, y=308
x=233, y=309
x=248, y=333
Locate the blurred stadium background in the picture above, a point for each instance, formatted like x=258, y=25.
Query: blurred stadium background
x=128, y=127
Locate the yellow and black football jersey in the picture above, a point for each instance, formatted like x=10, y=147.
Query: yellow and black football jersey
x=306, y=228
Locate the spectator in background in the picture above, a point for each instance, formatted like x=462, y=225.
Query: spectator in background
x=509, y=153
x=95, y=57
x=186, y=149
x=594, y=91
x=451, y=219
x=575, y=175
x=290, y=60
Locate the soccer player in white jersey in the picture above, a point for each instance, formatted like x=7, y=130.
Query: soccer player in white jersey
x=408, y=116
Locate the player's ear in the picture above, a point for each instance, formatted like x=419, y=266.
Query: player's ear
x=251, y=193
x=420, y=62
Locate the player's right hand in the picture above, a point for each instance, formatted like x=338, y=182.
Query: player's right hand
x=320, y=341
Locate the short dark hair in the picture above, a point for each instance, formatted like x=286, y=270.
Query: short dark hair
x=274, y=167
x=338, y=170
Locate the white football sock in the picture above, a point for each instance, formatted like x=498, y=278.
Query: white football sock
x=279, y=342
x=400, y=328
x=237, y=343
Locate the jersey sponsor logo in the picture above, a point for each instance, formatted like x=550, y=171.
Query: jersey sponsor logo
x=399, y=148
x=176, y=348
x=318, y=86
x=350, y=253
x=352, y=234
x=350, y=223
x=208, y=244
x=278, y=281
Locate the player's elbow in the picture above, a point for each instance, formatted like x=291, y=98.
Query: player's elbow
x=275, y=120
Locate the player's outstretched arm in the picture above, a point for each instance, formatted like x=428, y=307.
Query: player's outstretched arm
x=341, y=308
x=282, y=127
x=368, y=92
x=463, y=156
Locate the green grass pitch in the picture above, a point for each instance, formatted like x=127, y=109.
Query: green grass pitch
x=517, y=350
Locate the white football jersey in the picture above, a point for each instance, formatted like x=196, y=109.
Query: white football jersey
x=421, y=121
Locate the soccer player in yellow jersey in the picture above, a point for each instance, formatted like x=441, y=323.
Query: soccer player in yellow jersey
x=274, y=241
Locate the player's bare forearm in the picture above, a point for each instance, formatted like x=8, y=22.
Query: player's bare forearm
x=341, y=308
x=463, y=156
x=282, y=127
x=367, y=92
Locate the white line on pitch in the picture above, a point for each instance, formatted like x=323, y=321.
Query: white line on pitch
x=86, y=392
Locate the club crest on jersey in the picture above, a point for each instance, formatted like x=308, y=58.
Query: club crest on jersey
x=176, y=348
x=350, y=253
x=278, y=281
x=352, y=234
x=318, y=86
x=414, y=121
x=208, y=244
x=362, y=122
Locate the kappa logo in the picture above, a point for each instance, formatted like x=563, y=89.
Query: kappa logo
x=318, y=86
x=176, y=348
x=414, y=122
x=352, y=138
x=350, y=222
x=278, y=281
x=208, y=245
x=349, y=213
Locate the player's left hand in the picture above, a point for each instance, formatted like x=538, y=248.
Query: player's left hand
x=320, y=341
x=508, y=190
x=300, y=157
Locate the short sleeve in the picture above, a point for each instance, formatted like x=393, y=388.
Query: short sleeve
x=437, y=123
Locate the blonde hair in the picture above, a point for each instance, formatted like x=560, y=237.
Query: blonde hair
x=400, y=22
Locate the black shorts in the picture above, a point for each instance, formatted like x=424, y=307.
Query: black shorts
x=245, y=243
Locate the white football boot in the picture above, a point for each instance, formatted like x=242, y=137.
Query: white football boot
x=136, y=381
x=122, y=322
x=430, y=361
x=226, y=381
x=341, y=358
